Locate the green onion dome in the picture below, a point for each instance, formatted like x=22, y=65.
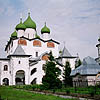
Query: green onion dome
x=20, y=26
x=29, y=23
x=14, y=34
x=45, y=29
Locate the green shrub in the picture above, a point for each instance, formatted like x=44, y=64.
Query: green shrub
x=92, y=93
x=67, y=91
x=54, y=90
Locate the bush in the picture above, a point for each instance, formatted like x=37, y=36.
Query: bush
x=54, y=90
x=67, y=91
x=92, y=93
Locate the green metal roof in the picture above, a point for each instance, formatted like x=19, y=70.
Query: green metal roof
x=29, y=23
x=20, y=25
x=45, y=29
x=14, y=34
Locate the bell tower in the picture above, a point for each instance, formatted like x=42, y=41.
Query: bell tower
x=98, y=46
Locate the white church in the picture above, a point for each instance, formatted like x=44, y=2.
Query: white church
x=27, y=54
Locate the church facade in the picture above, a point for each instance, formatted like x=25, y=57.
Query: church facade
x=27, y=54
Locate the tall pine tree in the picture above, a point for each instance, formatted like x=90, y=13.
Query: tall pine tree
x=51, y=80
x=67, y=79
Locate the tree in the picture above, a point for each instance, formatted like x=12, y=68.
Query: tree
x=51, y=80
x=66, y=75
x=78, y=63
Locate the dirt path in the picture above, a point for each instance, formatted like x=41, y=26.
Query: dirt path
x=62, y=96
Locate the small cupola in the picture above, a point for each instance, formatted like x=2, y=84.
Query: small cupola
x=20, y=26
x=45, y=29
x=14, y=34
x=29, y=23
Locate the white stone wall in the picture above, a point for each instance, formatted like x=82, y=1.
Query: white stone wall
x=91, y=80
x=39, y=73
x=24, y=65
x=45, y=36
x=30, y=33
x=4, y=74
x=29, y=49
x=20, y=33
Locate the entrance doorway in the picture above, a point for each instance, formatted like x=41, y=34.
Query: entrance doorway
x=5, y=81
x=20, y=77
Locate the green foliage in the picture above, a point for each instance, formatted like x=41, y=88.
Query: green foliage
x=51, y=80
x=78, y=63
x=66, y=75
x=92, y=93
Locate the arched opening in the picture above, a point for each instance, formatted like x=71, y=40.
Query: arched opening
x=50, y=45
x=22, y=42
x=20, y=77
x=5, y=68
x=33, y=71
x=37, y=43
x=34, y=81
x=5, y=81
x=45, y=57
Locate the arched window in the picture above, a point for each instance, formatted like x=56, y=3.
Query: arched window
x=33, y=71
x=18, y=62
x=22, y=42
x=28, y=35
x=11, y=44
x=45, y=57
x=37, y=43
x=5, y=81
x=5, y=68
x=36, y=54
x=34, y=81
x=50, y=45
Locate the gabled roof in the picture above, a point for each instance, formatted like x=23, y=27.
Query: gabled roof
x=65, y=54
x=19, y=51
x=34, y=61
x=88, y=67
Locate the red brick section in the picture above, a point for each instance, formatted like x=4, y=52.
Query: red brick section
x=45, y=57
x=36, y=43
x=50, y=44
x=22, y=42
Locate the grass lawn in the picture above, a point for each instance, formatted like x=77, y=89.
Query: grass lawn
x=8, y=93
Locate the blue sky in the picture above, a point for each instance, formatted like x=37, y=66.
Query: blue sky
x=77, y=22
